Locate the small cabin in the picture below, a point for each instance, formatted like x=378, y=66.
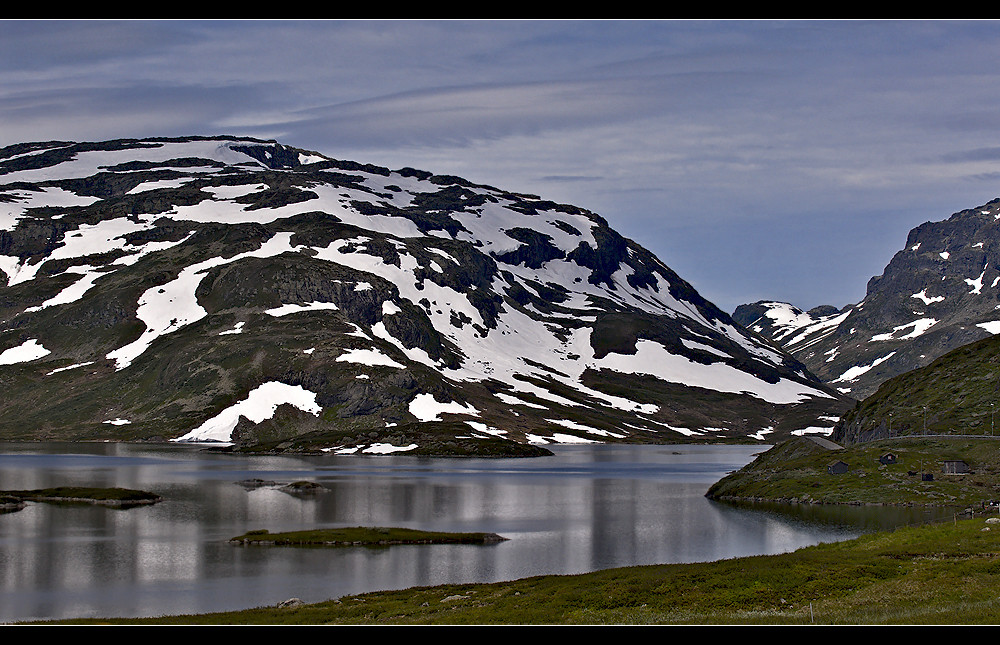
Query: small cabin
x=887, y=458
x=837, y=468
x=954, y=467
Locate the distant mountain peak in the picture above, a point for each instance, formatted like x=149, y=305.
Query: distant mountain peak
x=939, y=292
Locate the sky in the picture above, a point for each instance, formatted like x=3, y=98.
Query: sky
x=760, y=160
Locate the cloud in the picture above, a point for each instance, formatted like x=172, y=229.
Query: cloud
x=978, y=154
x=709, y=142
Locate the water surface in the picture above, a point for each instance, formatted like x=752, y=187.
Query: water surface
x=587, y=508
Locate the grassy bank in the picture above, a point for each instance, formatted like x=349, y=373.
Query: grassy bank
x=934, y=574
x=798, y=471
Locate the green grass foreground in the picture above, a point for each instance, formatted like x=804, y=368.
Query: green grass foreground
x=363, y=536
x=933, y=574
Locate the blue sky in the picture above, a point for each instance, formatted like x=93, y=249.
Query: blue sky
x=760, y=160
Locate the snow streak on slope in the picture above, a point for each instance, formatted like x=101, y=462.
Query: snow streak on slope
x=654, y=359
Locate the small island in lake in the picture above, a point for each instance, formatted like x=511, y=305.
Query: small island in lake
x=296, y=488
x=363, y=536
x=118, y=497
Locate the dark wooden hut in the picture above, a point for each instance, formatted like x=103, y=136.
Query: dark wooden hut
x=954, y=466
x=837, y=467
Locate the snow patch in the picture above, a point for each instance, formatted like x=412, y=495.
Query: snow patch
x=690, y=344
x=812, y=430
x=238, y=329
x=167, y=308
x=11, y=212
x=922, y=295
x=763, y=432
x=387, y=448
x=73, y=292
x=977, y=284
x=992, y=326
x=566, y=423
x=856, y=371
x=259, y=405
x=559, y=437
x=789, y=320
x=653, y=359
x=919, y=327
x=69, y=367
x=485, y=429
x=426, y=408
x=369, y=357
x=29, y=350
x=413, y=353
x=285, y=310
x=513, y=400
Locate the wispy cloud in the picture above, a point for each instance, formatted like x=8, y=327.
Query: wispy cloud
x=778, y=158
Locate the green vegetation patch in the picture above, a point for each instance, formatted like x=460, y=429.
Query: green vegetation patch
x=363, y=536
x=799, y=471
x=955, y=394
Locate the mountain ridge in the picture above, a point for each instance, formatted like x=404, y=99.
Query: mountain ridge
x=241, y=291
x=936, y=294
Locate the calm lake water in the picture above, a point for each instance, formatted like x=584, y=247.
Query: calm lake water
x=587, y=508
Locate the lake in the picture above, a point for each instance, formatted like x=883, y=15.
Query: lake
x=589, y=507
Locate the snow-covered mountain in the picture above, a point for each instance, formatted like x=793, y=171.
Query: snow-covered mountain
x=794, y=330
x=242, y=291
x=941, y=291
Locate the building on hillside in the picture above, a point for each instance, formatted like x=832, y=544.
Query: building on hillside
x=954, y=467
x=837, y=468
x=887, y=458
